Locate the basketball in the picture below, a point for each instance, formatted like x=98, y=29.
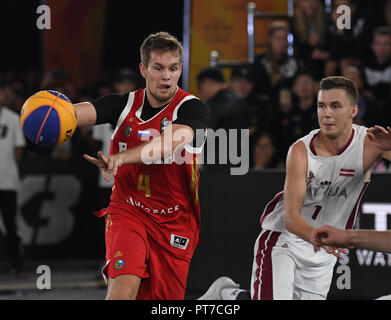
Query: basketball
x=48, y=118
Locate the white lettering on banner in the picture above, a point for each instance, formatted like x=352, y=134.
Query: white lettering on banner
x=380, y=211
x=370, y=258
x=45, y=216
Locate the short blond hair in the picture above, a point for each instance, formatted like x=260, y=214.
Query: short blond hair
x=160, y=41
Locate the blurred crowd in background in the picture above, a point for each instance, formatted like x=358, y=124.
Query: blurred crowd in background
x=275, y=97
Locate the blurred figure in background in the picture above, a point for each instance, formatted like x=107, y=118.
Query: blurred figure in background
x=275, y=68
x=11, y=145
x=369, y=112
x=125, y=81
x=297, y=116
x=225, y=104
x=309, y=29
x=257, y=112
x=264, y=153
x=347, y=45
x=377, y=66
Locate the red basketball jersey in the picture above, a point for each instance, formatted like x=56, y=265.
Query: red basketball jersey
x=162, y=195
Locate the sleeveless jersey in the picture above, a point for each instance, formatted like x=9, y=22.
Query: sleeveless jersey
x=162, y=195
x=335, y=186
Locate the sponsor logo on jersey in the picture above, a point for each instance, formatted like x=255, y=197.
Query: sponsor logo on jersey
x=119, y=264
x=160, y=211
x=285, y=245
x=347, y=172
x=179, y=242
x=128, y=131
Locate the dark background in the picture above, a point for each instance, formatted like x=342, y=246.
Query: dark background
x=127, y=23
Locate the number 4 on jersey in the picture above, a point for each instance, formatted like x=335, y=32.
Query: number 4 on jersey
x=144, y=185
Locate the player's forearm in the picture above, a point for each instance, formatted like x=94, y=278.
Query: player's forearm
x=297, y=225
x=156, y=149
x=370, y=239
x=85, y=114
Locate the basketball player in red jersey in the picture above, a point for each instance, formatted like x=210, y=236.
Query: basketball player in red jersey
x=153, y=220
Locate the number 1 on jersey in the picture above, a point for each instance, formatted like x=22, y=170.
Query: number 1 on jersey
x=144, y=185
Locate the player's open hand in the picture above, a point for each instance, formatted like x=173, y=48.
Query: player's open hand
x=380, y=137
x=108, y=165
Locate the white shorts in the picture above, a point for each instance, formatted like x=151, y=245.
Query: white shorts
x=286, y=267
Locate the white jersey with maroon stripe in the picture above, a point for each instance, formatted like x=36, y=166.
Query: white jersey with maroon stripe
x=335, y=186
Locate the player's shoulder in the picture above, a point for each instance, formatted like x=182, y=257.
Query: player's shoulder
x=194, y=102
x=10, y=115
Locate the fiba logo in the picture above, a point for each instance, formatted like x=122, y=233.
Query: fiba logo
x=43, y=21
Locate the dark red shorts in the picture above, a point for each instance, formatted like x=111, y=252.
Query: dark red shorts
x=130, y=250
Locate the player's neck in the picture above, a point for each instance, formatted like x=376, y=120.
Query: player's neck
x=327, y=146
x=155, y=103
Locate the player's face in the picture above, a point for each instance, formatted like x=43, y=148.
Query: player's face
x=335, y=112
x=161, y=76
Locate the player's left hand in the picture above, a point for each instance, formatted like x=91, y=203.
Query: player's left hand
x=380, y=137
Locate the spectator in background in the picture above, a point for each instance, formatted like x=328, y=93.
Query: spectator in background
x=264, y=153
x=225, y=104
x=275, y=68
x=60, y=80
x=309, y=29
x=377, y=66
x=347, y=46
x=292, y=123
x=369, y=112
x=258, y=112
x=11, y=145
x=125, y=81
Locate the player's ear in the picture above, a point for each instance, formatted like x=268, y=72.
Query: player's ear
x=143, y=70
x=354, y=111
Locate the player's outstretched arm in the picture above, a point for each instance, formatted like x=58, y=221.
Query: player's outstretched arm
x=364, y=239
x=173, y=138
x=85, y=114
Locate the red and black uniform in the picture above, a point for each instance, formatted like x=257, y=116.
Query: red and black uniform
x=153, y=220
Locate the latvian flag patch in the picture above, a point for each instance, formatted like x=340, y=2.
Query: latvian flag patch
x=347, y=172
